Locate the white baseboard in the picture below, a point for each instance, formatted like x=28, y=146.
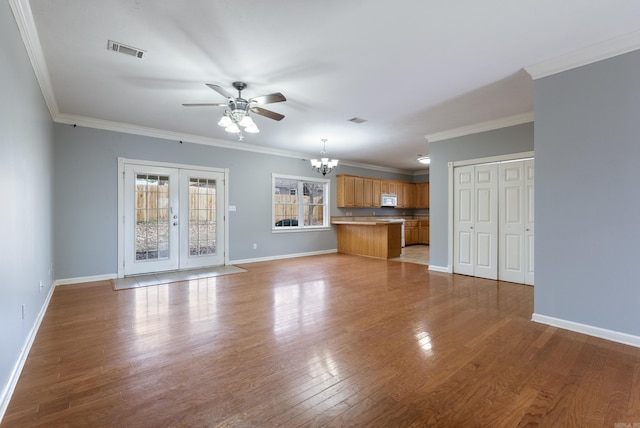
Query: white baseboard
x=79, y=280
x=439, y=269
x=8, y=389
x=603, y=333
x=280, y=257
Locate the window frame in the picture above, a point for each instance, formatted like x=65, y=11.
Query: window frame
x=326, y=183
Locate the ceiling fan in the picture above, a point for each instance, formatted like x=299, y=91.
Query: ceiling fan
x=237, y=118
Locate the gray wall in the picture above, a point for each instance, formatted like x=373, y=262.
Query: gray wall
x=26, y=142
x=86, y=201
x=514, y=139
x=587, y=199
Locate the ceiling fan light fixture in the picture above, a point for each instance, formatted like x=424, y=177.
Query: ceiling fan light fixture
x=246, y=121
x=233, y=128
x=236, y=118
x=225, y=121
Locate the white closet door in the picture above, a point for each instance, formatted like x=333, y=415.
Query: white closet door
x=516, y=228
x=512, y=220
x=464, y=207
x=486, y=221
x=529, y=231
x=476, y=221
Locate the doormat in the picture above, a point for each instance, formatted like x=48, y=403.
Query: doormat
x=169, y=277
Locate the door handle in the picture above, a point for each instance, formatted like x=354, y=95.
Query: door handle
x=175, y=223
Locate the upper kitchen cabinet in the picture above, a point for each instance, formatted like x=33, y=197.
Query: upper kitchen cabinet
x=345, y=190
x=357, y=192
x=364, y=192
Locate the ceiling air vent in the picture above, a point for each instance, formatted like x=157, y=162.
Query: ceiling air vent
x=357, y=120
x=128, y=50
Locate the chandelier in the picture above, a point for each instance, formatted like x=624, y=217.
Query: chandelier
x=237, y=119
x=324, y=165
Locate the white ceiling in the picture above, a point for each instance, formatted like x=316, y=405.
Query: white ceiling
x=412, y=68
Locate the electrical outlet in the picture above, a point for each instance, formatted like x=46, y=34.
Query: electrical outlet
x=50, y=269
x=41, y=285
x=255, y=246
x=24, y=310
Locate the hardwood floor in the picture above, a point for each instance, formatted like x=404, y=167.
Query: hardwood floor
x=331, y=340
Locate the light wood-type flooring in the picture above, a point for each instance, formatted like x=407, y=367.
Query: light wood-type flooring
x=414, y=254
x=332, y=340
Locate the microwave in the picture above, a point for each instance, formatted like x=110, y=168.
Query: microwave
x=388, y=200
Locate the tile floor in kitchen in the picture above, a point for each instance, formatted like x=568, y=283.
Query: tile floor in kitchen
x=414, y=254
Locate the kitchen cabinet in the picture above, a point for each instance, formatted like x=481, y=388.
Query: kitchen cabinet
x=411, y=232
x=408, y=195
x=422, y=195
x=380, y=239
x=358, y=191
x=423, y=232
x=371, y=192
x=375, y=192
x=364, y=192
x=345, y=191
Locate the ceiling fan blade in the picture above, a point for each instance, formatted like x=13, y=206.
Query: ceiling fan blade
x=276, y=97
x=267, y=113
x=220, y=90
x=205, y=105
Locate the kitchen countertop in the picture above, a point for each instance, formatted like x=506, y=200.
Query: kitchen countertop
x=366, y=222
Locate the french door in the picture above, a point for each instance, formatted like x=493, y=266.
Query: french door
x=173, y=218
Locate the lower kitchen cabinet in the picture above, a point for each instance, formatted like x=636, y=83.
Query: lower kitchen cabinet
x=411, y=232
x=423, y=232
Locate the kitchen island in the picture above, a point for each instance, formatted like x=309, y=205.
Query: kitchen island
x=381, y=239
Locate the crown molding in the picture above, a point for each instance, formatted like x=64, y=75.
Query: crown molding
x=598, y=52
x=377, y=167
x=27, y=27
x=126, y=128
x=106, y=125
x=490, y=125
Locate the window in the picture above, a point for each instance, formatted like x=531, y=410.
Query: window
x=299, y=202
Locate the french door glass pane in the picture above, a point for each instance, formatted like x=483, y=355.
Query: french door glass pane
x=152, y=217
x=202, y=216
